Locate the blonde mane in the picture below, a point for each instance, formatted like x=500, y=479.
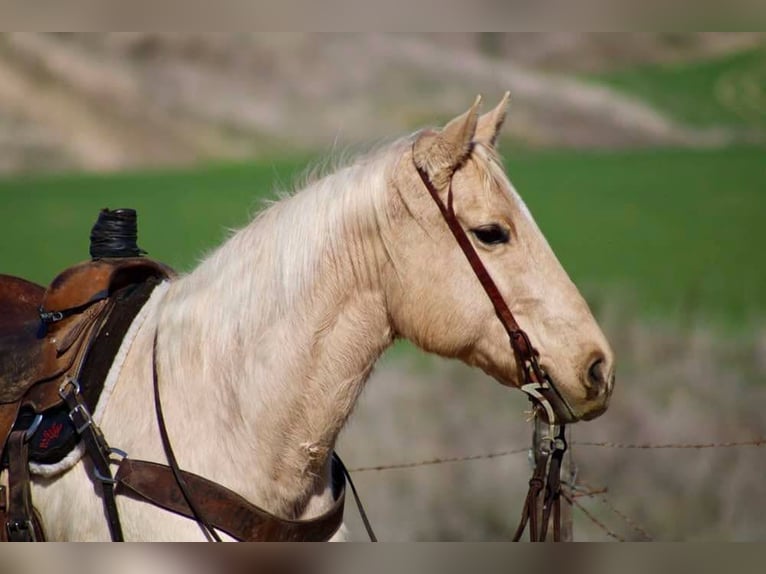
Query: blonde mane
x=275, y=258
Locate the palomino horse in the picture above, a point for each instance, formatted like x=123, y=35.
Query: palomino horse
x=263, y=349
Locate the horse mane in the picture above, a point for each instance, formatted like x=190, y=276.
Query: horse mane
x=272, y=263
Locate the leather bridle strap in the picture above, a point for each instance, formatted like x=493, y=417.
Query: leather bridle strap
x=534, y=381
x=359, y=505
x=546, y=480
x=522, y=348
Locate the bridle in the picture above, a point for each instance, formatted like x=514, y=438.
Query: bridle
x=535, y=382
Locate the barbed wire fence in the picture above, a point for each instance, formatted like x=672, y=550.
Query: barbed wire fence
x=574, y=492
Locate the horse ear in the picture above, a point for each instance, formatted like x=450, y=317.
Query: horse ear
x=488, y=126
x=439, y=153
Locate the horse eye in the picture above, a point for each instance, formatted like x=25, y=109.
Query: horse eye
x=492, y=234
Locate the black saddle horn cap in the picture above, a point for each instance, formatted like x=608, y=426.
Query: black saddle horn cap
x=115, y=234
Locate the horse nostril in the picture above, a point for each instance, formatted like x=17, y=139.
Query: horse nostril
x=597, y=373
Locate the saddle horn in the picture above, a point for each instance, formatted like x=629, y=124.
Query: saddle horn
x=115, y=234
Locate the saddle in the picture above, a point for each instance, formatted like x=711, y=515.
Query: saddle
x=41, y=330
x=46, y=334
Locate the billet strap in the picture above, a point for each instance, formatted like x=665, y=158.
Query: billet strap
x=98, y=451
x=222, y=508
x=9, y=412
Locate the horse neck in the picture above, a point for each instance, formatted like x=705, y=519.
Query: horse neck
x=268, y=343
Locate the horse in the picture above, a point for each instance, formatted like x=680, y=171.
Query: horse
x=263, y=349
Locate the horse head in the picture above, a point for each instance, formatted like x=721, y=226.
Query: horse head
x=434, y=296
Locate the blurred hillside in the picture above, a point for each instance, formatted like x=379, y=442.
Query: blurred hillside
x=662, y=240
x=104, y=102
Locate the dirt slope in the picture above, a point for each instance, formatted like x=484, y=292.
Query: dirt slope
x=111, y=101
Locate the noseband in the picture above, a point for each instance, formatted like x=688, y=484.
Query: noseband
x=534, y=381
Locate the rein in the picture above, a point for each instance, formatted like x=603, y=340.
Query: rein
x=537, y=384
x=207, y=529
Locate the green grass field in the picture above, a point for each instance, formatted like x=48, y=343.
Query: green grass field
x=728, y=90
x=668, y=233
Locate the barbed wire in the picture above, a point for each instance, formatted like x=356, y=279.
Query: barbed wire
x=575, y=492
x=584, y=490
x=440, y=460
x=605, y=444
x=574, y=502
x=626, y=519
x=754, y=442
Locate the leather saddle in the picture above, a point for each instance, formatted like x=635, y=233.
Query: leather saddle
x=44, y=333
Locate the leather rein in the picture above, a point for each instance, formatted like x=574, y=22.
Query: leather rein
x=536, y=383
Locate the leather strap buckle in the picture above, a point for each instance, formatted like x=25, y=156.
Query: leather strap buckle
x=80, y=416
x=69, y=381
x=51, y=316
x=108, y=479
